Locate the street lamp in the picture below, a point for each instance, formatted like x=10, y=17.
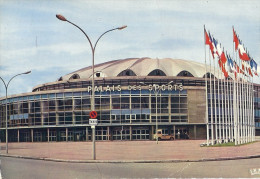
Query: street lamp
x=93, y=48
x=156, y=94
x=6, y=113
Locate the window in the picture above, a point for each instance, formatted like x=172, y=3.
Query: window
x=156, y=72
x=185, y=73
x=127, y=72
x=74, y=76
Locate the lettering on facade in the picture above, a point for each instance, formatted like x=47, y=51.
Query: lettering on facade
x=151, y=87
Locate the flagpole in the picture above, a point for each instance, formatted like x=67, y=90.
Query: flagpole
x=250, y=110
x=219, y=111
x=225, y=110
x=215, y=102
x=247, y=110
x=253, y=105
x=243, y=111
x=231, y=109
x=253, y=110
x=222, y=110
x=206, y=86
x=235, y=94
x=240, y=108
x=228, y=110
x=211, y=105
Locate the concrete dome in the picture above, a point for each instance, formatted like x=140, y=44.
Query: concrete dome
x=142, y=67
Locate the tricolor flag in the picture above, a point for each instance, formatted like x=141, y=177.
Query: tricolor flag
x=208, y=41
x=235, y=39
x=231, y=64
x=242, y=53
x=213, y=47
x=253, y=66
x=238, y=46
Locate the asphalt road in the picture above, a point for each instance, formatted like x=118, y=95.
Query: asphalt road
x=14, y=168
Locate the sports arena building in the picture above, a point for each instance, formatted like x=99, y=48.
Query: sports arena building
x=126, y=92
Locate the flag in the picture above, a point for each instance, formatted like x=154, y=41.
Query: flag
x=207, y=39
x=253, y=66
x=223, y=68
x=238, y=46
x=235, y=39
x=242, y=53
x=212, y=47
x=231, y=64
x=223, y=57
x=219, y=50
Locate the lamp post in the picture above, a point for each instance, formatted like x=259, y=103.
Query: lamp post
x=156, y=90
x=6, y=113
x=93, y=48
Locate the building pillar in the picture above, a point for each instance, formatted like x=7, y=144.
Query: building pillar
x=195, y=132
x=48, y=134
x=66, y=134
x=57, y=118
x=108, y=133
x=151, y=132
x=110, y=106
x=111, y=133
x=130, y=132
x=18, y=135
x=169, y=107
x=42, y=118
x=32, y=135
x=150, y=107
x=73, y=118
x=174, y=133
x=86, y=133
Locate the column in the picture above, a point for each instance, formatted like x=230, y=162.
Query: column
x=66, y=134
x=32, y=134
x=174, y=132
x=152, y=133
x=150, y=107
x=87, y=134
x=42, y=118
x=111, y=133
x=110, y=108
x=48, y=134
x=108, y=133
x=18, y=135
x=169, y=107
x=195, y=132
x=130, y=128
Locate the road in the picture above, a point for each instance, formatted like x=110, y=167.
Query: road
x=16, y=168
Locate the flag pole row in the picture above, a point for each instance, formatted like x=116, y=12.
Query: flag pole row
x=229, y=92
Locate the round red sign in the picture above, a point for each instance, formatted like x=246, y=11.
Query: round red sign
x=93, y=114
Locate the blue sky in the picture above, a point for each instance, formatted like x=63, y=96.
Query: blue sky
x=156, y=29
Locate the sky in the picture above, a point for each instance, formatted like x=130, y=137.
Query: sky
x=32, y=38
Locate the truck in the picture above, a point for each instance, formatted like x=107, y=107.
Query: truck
x=162, y=136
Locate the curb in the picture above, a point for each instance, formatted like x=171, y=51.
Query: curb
x=131, y=161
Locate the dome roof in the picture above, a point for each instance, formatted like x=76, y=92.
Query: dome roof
x=142, y=67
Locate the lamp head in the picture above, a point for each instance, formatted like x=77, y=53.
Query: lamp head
x=27, y=72
x=61, y=17
x=123, y=27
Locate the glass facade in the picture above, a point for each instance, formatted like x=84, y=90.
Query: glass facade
x=115, y=107
x=127, y=111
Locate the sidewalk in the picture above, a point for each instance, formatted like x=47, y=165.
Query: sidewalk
x=179, y=150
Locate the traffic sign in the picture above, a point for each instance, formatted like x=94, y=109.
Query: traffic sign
x=93, y=114
x=93, y=122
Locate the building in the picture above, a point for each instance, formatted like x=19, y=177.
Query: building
x=126, y=94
